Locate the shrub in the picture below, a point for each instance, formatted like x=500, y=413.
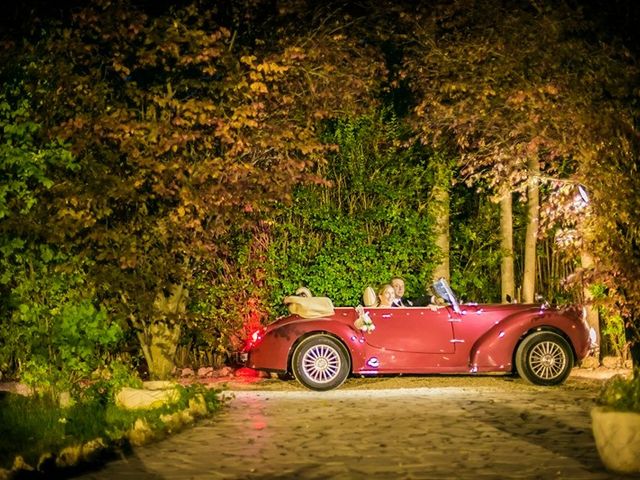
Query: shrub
x=621, y=393
x=64, y=347
x=367, y=224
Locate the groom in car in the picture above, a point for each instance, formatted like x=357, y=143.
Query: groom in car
x=398, y=287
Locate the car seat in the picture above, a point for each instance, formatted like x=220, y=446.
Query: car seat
x=369, y=298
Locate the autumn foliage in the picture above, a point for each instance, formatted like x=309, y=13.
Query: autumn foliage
x=183, y=132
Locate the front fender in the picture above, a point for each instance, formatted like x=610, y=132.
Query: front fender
x=494, y=350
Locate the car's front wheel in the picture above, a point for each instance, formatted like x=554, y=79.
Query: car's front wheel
x=321, y=362
x=544, y=358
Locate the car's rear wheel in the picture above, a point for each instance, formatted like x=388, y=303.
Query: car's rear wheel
x=321, y=362
x=544, y=358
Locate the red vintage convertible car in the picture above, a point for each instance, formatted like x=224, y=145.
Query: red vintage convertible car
x=321, y=345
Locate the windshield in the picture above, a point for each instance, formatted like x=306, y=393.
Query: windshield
x=442, y=289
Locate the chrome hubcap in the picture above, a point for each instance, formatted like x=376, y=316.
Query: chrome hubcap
x=321, y=363
x=548, y=360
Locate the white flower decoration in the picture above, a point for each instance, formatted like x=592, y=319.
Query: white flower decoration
x=364, y=322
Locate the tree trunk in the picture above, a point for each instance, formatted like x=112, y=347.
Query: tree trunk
x=160, y=335
x=159, y=344
x=439, y=212
x=633, y=340
x=593, y=318
x=507, y=276
x=531, y=235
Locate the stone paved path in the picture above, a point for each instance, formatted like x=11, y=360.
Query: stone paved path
x=489, y=429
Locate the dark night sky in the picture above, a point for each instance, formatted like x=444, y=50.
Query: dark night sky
x=614, y=18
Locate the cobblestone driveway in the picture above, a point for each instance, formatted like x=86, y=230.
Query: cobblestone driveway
x=482, y=428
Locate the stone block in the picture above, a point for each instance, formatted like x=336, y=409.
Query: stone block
x=590, y=362
x=205, y=372
x=611, y=362
x=135, y=398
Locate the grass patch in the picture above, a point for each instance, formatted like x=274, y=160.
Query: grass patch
x=31, y=427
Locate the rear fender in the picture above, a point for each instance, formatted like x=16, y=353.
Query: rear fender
x=495, y=349
x=352, y=339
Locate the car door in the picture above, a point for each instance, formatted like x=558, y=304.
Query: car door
x=414, y=329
